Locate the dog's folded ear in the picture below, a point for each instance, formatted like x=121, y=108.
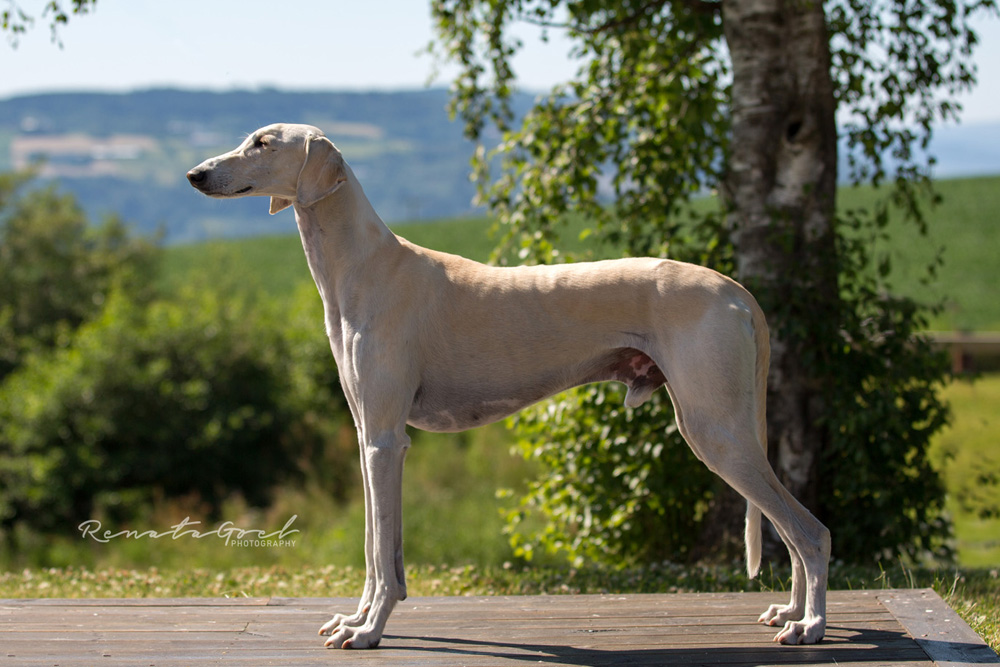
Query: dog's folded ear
x=322, y=173
x=279, y=204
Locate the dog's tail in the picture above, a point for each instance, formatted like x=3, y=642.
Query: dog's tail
x=753, y=535
x=763, y=360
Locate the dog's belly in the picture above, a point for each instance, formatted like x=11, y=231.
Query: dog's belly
x=449, y=407
x=465, y=414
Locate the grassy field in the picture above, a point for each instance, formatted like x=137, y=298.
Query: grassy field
x=968, y=454
x=963, y=229
x=276, y=264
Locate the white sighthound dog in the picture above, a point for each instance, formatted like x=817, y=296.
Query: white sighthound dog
x=445, y=344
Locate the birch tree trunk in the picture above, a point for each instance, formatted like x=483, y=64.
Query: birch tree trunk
x=780, y=187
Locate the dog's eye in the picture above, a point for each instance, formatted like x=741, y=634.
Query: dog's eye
x=260, y=142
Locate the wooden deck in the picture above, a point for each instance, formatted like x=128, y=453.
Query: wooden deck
x=895, y=627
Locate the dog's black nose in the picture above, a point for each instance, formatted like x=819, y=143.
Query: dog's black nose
x=197, y=176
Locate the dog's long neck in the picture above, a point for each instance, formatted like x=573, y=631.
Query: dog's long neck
x=341, y=236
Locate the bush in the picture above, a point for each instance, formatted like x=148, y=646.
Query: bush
x=114, y=398
x=56, y=269
x=165, y=401
x=623, y=486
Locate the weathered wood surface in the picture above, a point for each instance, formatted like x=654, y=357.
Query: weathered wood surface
x=897, y=627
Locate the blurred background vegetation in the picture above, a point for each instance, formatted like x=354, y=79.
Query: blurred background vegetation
x=140, y=385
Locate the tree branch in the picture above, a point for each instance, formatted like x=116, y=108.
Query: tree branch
x=612, y=23
x=15, y=21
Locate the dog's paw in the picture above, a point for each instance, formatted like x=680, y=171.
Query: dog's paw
x=331, y=625
x=808, y=631
x=356, y=619
x=780, y=614
x=346, y=637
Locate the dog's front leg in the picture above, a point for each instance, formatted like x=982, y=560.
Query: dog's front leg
x=358, y=618
x=384, y=455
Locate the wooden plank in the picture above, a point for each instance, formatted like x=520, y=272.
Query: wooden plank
x=124, y=619
x=139, y=602
x=403, y=650
x=682, y=601
x=597, y=630
x=937, y=629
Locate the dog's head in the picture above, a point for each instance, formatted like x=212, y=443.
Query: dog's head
x=291, y=164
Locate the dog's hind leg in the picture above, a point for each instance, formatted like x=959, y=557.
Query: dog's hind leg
x=795, y=610
x=808, y=542
x=741, y=463
x=714, y=378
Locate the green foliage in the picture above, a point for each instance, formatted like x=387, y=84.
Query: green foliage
x=898, y=67
x=879, y=493
x=645, y=119
x=116, y=398
x=627, y=145
x=16, y=21
x=167, y=400
x=622, y=490
x=55, y=269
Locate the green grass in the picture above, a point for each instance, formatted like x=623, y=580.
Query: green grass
x=963, y=228
x=450, y=482
x=277, y=265
x=274, y=264
x=968, y=454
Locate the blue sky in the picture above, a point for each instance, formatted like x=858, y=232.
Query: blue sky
x=336, y=44
x=125, y=44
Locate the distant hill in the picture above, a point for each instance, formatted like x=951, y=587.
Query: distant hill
x=127, y=153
